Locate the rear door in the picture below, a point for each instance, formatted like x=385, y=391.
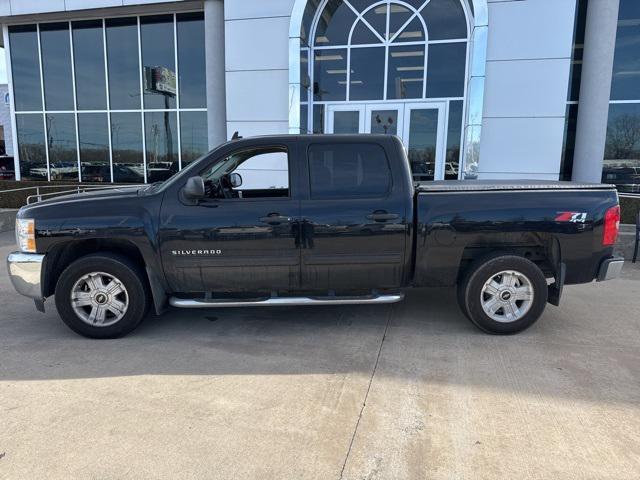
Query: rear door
x=354, y=217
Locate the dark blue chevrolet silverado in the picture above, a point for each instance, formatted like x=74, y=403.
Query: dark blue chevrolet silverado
x=344, y=224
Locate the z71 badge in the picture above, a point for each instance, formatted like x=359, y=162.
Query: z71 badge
x=184, y=253
x=573, y=217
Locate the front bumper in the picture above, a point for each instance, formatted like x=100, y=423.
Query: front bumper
x=610, y=268
x=25, y=271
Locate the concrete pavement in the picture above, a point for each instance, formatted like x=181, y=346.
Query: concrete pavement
x=389, y=392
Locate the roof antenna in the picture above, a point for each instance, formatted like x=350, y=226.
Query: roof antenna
x=236, y=136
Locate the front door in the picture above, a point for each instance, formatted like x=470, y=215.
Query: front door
x=240, y=238
x=421, y=126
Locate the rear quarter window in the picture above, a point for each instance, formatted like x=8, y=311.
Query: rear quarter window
x=348, y=170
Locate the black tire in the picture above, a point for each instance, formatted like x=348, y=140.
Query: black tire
x=471, y=296
x=121, y=268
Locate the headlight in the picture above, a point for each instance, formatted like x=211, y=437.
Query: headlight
x=26, y=234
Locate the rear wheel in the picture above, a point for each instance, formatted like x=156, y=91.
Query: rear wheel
x=102, y=296
x=503, y=294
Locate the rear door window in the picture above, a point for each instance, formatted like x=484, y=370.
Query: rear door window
x=348, y=170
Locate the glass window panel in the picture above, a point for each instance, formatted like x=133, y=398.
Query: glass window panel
x=361, y=5
x=93, y=136
x=330, y=75
x=25, y=68
x=318, y=119
x=158, y=61
x=377, y=18
x=88, y=54
x=367, y=73
x=126, y=142
x=348, y=171
x=423, y=140
x=406, y=72
x=578, y=50
x=445, y=19
x=124, y=68
x=346, y=122
x=622, y=151
x=626, y=65
x=414, y=32
x=570, y=127
x=398, y=16
x=446, y=70
x=162, y=145
x=454, y=135
x=363, y=35
x=384, y=121
x=193, y=135
x=56, y=66
x=334, y=24
x=307, y=18
x=31, y=147
x=63, y=154
x=305, y=81
x=304, y=118
x=191, y=43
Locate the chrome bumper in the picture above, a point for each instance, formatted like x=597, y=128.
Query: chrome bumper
x=610, y=268
x=25, y=271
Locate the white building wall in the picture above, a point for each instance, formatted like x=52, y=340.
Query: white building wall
x=5, y=118
x=528, y=66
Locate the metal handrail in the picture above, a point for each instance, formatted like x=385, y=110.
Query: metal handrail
x=68, y=189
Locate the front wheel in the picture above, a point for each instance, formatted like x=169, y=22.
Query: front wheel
x=102, y=296
x=503, y=294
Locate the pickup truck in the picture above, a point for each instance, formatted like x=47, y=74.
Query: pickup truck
x=343, y=223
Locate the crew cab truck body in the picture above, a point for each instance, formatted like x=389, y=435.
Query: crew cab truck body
x=344, y=224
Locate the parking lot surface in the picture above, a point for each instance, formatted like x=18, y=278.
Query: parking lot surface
x=409, y=391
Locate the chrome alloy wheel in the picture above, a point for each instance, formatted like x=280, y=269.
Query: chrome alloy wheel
x=99, y=299
x=507, y=296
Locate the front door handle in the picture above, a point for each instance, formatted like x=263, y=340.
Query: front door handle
x=275, y=219
x=382, y=216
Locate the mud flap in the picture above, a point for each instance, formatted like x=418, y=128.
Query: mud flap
x=555, y=289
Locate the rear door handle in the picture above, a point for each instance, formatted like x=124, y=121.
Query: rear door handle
x=275, y=219
x=382, y=216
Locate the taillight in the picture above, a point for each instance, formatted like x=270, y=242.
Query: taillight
x=611, y=226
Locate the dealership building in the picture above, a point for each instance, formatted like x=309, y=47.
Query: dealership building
x=133, y=90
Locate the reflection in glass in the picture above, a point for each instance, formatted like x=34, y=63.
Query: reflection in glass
x=398, y=16
x=622, y=150
x=193, y=135
x=377, y=18
x=61, y=138
x=158, y=61
x=578, y=51
x=626, y=65
x=363, y=35
x=93, y=136
x=445, y=19
x=88, y=55
x=406, y=72
x=162, y=145
x=305, y=81
x=414, y=32
x=334, y=24
x=318, y=118
x=122, y=58
x=446, y=70
x=367, y=73
x=304, y=118
x=25, y=67
x=454, y=136
x=422, y=143
x=56, y=66
x=568, y=148
x=330, y=75
x=346, y=122
x=191, y=60
x=126, y=142
x=31, y=146
x=384, y=121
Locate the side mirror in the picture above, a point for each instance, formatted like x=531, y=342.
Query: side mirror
x=235, y=179
x=194, y=189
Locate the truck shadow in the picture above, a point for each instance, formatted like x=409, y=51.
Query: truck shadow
x=570, y=352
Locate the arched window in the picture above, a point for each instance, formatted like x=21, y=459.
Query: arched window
x=367, y=53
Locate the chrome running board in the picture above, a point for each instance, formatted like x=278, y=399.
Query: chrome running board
x=284, y=301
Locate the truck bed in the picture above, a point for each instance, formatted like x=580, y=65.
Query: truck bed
x=504, y=185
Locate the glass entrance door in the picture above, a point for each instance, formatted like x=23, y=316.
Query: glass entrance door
x=421, y=126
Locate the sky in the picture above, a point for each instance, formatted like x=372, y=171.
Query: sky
x=3, y=67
